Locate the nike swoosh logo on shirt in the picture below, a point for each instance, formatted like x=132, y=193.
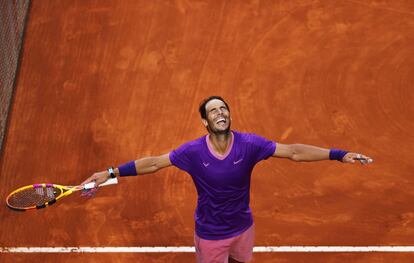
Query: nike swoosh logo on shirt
x=206, y=164
x=236, y=162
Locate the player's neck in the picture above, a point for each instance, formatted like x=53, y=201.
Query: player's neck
x=221, y=141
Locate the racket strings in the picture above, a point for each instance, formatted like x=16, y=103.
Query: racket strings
x=33, y=196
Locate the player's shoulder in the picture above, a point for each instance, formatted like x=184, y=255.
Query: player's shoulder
x=250, y=138
x=197, y=142
x=193, y=145
x=245, y=136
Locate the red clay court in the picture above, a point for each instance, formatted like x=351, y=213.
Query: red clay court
x=103, y=82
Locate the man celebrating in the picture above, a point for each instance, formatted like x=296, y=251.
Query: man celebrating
x=220, y=164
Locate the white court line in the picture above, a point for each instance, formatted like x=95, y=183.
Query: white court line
x=192, y=250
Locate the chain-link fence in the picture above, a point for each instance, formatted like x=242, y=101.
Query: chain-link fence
x=13, y=14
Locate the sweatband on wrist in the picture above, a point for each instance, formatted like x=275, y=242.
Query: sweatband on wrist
x=127, y=169
x=336, y=154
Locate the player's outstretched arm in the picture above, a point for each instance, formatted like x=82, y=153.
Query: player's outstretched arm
x=310, y=153
x=141, y=166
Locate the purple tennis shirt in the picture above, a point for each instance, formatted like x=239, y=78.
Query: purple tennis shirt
x=222, y=182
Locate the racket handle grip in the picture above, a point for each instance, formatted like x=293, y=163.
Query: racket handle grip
x=108, y=182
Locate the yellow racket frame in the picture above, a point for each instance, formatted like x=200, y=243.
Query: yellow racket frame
x=65, y=191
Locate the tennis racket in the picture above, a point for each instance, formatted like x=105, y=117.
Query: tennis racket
x=38, y=196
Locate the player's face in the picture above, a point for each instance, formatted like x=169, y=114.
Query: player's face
x=218, y=117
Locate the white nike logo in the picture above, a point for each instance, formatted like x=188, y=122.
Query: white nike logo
x=206, y=164
x=236, y=162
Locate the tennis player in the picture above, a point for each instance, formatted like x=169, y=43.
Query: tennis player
x=220, y=164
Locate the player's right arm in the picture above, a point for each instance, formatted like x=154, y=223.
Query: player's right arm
x=144, y=165
x=148, y=165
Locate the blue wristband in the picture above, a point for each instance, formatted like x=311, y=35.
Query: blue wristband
x=127, y=169
x=336, y=154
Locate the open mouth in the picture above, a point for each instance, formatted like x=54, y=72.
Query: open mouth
x=221, y=121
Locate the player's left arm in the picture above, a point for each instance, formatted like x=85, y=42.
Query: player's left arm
x=310, y=153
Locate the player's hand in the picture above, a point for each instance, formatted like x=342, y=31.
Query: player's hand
x=353, y=157
x=97, y=178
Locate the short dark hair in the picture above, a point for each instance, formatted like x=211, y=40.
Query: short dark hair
x=202, y=108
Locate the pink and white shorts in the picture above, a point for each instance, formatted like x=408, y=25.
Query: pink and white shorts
x=239, y=248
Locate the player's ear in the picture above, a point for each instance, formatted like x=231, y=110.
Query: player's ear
x=204, y=121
